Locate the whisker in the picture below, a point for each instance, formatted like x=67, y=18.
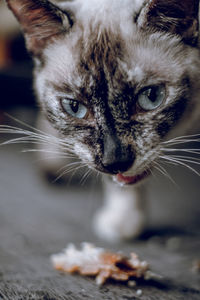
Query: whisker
x=192, y=151
x=63, y=173
x=153, y=174
x=49, y=157
x=98, y=174
x=22, y=123
x=71, y=169
x=34, y=138
x=183, y=155
x=60, y=154
x=184, y=138
x=180, y=143
x=16, y=130
x=190, y=159
x=67, y=169
x=35, y=131
x=165, y=173
x=166, y=158
x=167, y=161
x=72, y=174
x=69, y=165
x=85, y=176
x=31, y=134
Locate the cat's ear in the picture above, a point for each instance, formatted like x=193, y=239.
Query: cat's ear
x=40, y=20
x=177, y=17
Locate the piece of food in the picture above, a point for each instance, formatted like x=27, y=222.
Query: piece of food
x=100, y=263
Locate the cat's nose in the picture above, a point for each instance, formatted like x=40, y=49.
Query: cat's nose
x=117, y=158
x=117, y=166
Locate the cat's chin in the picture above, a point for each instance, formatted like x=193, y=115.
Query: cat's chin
x=122, y=179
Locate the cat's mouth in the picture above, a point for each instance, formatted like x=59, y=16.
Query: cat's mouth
x=128, y=180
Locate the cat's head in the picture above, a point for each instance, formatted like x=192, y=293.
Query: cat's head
x=114, y=77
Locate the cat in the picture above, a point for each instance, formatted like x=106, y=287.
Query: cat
x=118, y=81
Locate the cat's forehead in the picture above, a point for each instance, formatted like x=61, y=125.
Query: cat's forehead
x=135, y=58
x=113, y=51
x=106, y=12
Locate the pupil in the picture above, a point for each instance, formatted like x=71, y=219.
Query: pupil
x=74, y=106
x=152, y=94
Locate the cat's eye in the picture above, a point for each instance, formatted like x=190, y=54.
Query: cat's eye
x=151, y=97
x=74, y=108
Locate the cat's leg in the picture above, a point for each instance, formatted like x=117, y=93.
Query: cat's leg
x=123, y=215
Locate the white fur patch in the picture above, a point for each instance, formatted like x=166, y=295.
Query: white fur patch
x=108, y=13
x=133, y=73
x=123, y=214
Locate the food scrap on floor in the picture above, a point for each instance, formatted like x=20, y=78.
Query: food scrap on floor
x=101, y=263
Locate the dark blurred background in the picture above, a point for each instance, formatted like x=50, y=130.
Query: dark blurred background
x=15, y=73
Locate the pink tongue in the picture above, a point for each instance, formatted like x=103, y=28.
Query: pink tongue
x=126, y=179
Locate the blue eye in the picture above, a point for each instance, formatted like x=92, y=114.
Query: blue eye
x=152, y=97
x=74, y=108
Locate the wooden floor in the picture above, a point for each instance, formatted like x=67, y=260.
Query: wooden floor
x=38, y=219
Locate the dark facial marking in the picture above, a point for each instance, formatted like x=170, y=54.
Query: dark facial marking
x=171, y=116
x=163, y=128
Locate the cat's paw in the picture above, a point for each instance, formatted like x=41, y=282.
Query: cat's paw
x=119, y=225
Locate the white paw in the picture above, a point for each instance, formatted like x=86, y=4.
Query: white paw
x=115, y=225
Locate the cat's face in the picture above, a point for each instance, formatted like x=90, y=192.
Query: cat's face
x=118, y=81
